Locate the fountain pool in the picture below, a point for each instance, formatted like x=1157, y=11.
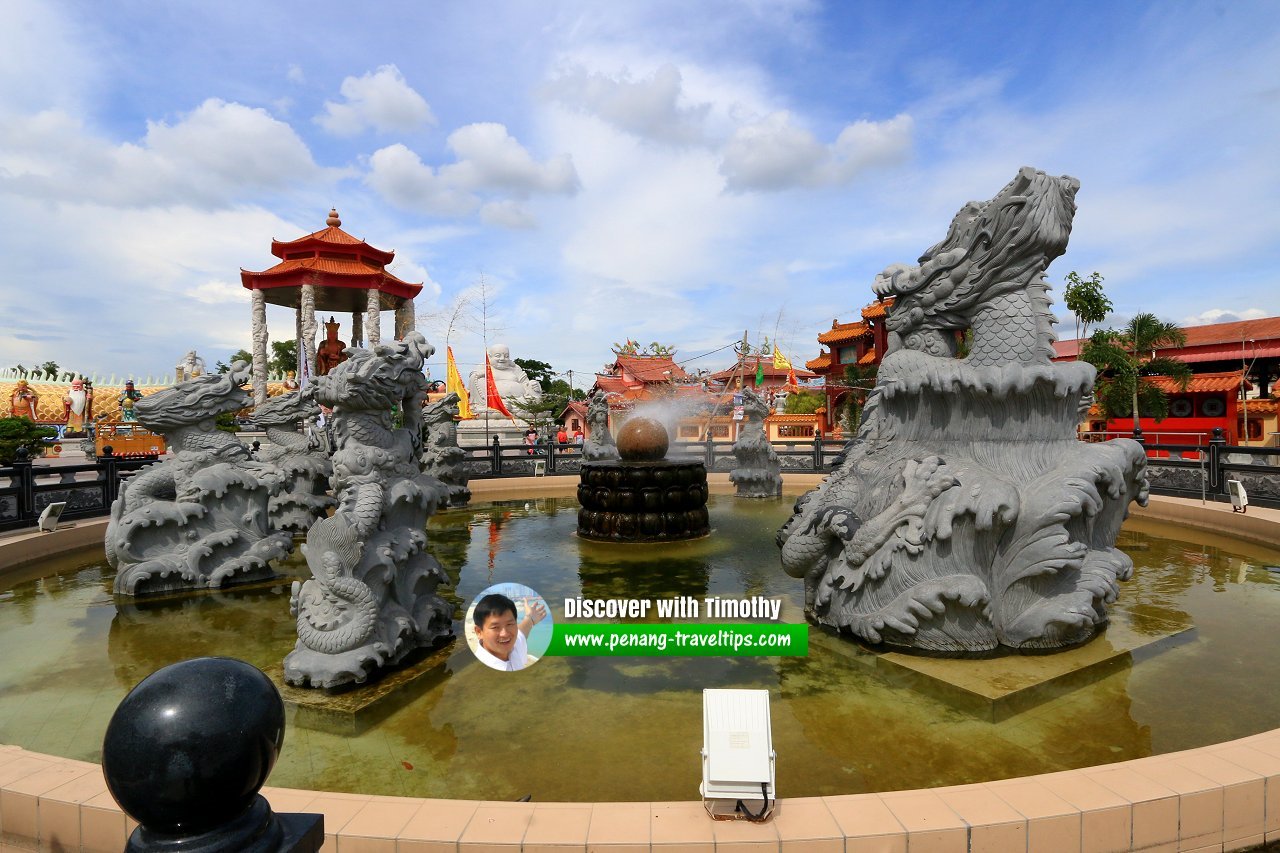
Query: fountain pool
x=591, y=729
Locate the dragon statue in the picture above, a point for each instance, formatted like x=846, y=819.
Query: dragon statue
x=757, y=473
x=599, y=445
x=442, y=458
x=965, y=515
x=299, y=488
x=371, y=600
x=198, y=519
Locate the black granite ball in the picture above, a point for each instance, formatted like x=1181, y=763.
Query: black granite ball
x=189, y=747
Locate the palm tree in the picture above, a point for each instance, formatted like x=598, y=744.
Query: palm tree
x=1125, y=359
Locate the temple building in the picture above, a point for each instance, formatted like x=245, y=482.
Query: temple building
x=1234, y=366
x=330, y=271
x=861, y=342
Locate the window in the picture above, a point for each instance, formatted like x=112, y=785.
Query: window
x=577, y=424
x=689, y=431
x=795, y=431
x=719, y=430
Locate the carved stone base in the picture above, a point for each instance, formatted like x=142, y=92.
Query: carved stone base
x=643, y=501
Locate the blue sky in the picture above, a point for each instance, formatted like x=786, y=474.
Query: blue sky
x=662, y=171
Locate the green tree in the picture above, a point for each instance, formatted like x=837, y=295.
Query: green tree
x=860, y=380
x=239, y=355
x=1126, y=357
x=539, y=371
x=1085, y=299
x=804, y=402
x=20, y=432
x=284, y=357
x=49, y=369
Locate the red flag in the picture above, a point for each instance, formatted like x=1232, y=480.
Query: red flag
x=491, y=389
x=791, y=378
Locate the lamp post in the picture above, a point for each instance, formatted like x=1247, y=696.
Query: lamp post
x=1244, y=380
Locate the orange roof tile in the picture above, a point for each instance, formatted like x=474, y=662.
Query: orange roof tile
x=1263, y=407
x=869, y=357
x=748, y=368
x=844, y=333
x=651, y=368
x=876, y=310
x=332, y=267
x=1220, y=341
x=822, y=362
x=1201, y=383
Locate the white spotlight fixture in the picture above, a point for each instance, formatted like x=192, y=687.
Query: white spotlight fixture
x=738, y=761
x=49, y=517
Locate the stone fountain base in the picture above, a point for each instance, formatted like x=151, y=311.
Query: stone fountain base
x=636, y=501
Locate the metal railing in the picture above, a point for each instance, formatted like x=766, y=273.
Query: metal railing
x=27, y=487
x=1182, y=470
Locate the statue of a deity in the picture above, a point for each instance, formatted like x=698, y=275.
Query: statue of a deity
x=291, y=381
x=77, y=405
x=24, y=401
x=331, y=351
x=190, y=367
x=508, y=377
x=130, y=396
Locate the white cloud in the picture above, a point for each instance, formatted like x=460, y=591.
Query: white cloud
x=1221, y=315
x=773, y=153
x=294, y=74
x=213, y=155
x=489, y=161
x=490, y=158
x=507, y=214
x=381, y=100
x=216, y=291
x=653, y=107
x=401, y=177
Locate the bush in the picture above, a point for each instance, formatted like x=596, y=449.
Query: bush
x=20, y=432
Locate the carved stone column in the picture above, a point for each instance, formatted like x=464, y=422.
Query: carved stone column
x=405, y=319
x=258, y=330
x=307, y=312
x=371, y=318
x=357, y=329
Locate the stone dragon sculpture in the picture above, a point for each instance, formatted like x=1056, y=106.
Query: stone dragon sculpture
x=199, y=518
x=757, y=473
x=371, y=600
x=300, y=483
x=442, y=458
x=965, y=515
x=599, y=445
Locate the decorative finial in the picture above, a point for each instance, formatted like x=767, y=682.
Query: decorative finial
x=333, y=220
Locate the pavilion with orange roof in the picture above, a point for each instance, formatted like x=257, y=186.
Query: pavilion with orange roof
x=326, y=270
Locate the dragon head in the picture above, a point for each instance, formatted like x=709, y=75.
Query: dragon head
x=992, y=247
x=441, y=411
x=287, y=409
x=375, y=381
x=195, y=401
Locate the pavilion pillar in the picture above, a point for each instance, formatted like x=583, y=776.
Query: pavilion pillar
x=405, y=319
x=307, y=324
x=374, y=307
x=258, y=331
x=357, y=329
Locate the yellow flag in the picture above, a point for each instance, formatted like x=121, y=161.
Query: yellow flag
x=453, y=384
x=779, y=360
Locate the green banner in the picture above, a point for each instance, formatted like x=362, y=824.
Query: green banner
x=681, y=640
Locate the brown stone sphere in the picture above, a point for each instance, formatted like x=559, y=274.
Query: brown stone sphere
x=642, y=440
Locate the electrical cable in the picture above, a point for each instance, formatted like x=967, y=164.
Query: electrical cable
x=764, y=807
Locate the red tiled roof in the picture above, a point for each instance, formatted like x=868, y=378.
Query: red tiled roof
x=650, y=368
x=1263, y=407
x=1201, y=383
x=612, y=385
x=792, y=418
x=1214, y=342
x=842, y=333
x=331, y=266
